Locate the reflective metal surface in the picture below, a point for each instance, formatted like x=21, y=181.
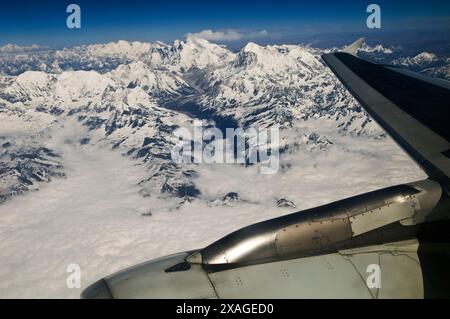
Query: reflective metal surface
x=318, y=230
x=154, y=279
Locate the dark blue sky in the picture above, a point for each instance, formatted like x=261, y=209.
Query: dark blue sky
x=44, y=22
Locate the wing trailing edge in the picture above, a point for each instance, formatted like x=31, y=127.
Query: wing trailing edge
x=413, y=109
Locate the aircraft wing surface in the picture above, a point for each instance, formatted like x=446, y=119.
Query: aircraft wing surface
x=413, y=109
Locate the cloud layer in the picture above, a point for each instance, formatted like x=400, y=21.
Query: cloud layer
x=227, y=35
x=12, y=48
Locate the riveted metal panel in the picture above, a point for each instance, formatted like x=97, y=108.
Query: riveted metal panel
x=401, y=276
x=400, y=273
x=381, y=216
x=312, y=235
x=361, y=262
x=326, y=276
x=150, y=280
x=425, y=201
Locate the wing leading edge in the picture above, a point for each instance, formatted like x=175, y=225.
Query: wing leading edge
x=413, y=109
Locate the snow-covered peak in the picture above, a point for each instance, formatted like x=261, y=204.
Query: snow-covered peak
x=376, y=49
x=275, y=84
x=29, y=85
x=276, y=59
x=120, y=48
x=33, y=79
x=252, y=47
x=154, y=81
x=421, y=60
x=66, y=87
x=200, y=53
x=81, y=85
x=424, y=57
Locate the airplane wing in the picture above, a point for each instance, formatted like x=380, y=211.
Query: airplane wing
x=413, y=109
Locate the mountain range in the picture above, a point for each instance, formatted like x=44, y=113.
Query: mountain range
x=132, y=96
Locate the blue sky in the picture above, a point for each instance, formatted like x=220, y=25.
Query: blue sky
x=44, y=22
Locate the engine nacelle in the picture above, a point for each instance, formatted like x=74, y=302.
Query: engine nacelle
x=339, y=225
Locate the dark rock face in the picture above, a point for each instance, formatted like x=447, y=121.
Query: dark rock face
x=181, y=190
x=147, y=214
x=190, y=173
x=94, y=123
x=231, y=197
x=244, y=59
x=85, y=141
x=282, y=202
x=21, y=168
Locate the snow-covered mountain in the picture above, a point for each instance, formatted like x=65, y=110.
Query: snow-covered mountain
x=23, y=168
x=379, y=48
x=428, y=63
x=269, y=85
x=179, y=56
x=421, y=60
x=132, y=96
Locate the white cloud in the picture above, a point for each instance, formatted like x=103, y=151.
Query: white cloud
x=12, y=48
x=227, y=35
x=93, y=216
